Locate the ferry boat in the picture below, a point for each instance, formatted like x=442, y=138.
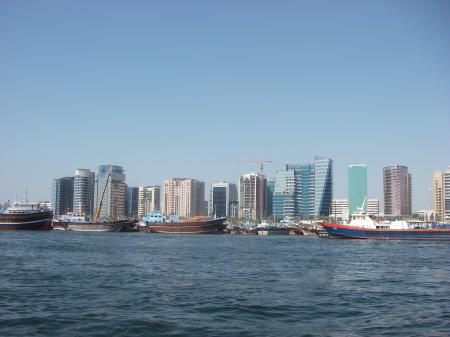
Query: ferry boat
x=155, y=222
x=27, y=216
x=362, y=226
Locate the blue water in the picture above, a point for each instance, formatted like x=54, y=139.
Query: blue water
x=135, y=284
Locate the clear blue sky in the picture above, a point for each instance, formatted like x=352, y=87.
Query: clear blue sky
x=172, y=88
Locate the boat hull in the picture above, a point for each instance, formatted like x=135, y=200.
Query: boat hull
x=337, y=231
x=31, y=221
x=202, y=227
x=273, y=231
x=115, y=226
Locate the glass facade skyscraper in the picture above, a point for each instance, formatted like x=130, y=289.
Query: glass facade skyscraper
x=62, y=195
x=113, y=206
x=131, y=207
x=83, y=193
x=323, y=186
x=304, y=190
x=357, y=187
x=223, y=195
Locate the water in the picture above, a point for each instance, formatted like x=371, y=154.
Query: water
x=135, y=284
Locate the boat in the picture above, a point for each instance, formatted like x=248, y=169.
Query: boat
x=155, y=222
x=267, y=228
x=362, y=226
x=77, y=222
x=27, y=216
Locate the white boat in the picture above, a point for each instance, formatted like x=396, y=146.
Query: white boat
x=26, y=216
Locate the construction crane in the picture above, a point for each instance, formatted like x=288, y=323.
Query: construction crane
x=261, y=165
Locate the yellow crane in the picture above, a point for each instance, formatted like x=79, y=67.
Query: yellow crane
x=261, y=163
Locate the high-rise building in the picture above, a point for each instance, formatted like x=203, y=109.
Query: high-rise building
x=270, y=191
x=84, y=192
x=111, y=185
x=323, y=186
x=149, y=200
x=357, y=187
x=223, y=195
x=397, y=190
x=440, y=190
x=285, y=194
x=62, y=195
x=437, y=190
x=253, y=196
x=131, y=206
x=184, y=197
x=304, y=190
x=446, y=184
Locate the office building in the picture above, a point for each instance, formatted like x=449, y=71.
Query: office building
x=184, y=197
x=112, y=188
x=222, y=196
x=285, y=194
x=397, y=190
x=323, y=186
x=357, y=187
x=84, y=192
x=339, y=209
x=304, y=190
x=373, y=206
x=253, y=196
x=149, y=200
x=62, y=196
x=131, y=206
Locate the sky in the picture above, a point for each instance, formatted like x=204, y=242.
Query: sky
x=172, y=88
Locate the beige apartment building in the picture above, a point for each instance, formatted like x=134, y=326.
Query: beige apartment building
x=184, y=197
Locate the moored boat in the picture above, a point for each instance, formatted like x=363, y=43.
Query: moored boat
x=362, y=226
x=26, y=216
x=155, y=223
x=340, y=231
x=268, y=228
x=273, y=230
x=76, y=222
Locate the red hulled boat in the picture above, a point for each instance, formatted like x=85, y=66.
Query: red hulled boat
x=26, y=216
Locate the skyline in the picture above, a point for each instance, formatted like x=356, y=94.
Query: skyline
x=172, y=89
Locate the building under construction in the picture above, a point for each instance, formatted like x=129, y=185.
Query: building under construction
x=253, y=196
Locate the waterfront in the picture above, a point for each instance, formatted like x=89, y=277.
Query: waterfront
x=133, y=284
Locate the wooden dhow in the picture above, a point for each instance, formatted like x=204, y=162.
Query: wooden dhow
x=155, y=223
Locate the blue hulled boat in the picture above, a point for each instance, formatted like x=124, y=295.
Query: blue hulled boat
x=362, y=226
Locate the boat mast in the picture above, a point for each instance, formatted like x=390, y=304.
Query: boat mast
x=97, y=213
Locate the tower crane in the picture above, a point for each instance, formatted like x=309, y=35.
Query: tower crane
x=261, y=163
